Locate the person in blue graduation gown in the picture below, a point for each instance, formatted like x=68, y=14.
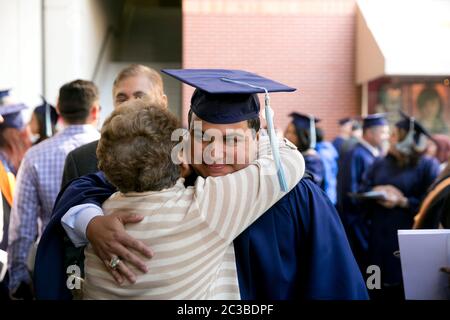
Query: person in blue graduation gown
x=404, y=175
x=352, y=166
x=302, y=132
x=329, y=156
x=296, y=250
x=345, y=128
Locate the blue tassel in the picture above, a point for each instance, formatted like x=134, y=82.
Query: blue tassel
x=274, y=145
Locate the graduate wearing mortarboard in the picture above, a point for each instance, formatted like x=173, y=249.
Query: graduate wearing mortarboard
x=14, y=135
x=404, y=176
x=296, y=250
x=352, y=165
x=302, y=132
x=43, y=122
x=14, y=142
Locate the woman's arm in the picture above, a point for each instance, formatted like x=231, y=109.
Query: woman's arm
x=230, y=203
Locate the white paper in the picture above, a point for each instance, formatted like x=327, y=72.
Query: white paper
x=423, y=253
x=3, y=264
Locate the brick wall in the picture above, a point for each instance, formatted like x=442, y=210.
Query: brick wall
x=307, y=44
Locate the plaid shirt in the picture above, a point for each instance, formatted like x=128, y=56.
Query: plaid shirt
x=37, y=186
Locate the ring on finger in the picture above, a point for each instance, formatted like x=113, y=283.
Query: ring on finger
x=114, y=262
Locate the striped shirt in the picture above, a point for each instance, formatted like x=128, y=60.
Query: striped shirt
x=37, y=185
x=191, y=231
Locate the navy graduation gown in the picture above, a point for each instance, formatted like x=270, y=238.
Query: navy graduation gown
x=297, y=249
x=50, y=254
x=337, y=143
x=414, y=182
x=352, y=166
x=314, y=165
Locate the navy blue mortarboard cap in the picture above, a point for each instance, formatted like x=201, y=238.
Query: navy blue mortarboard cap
x=12, y=116
x=49, y=116
x=41, y=109
x=373, y=120
x=226, y=96
x=212, y=81
x=4, y=93
x=302, y=121
x=408, y=123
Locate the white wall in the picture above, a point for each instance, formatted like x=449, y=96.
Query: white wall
x=74, y=32
x=74, y=35
x=20, y=52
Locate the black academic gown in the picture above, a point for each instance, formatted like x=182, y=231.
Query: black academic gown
x=413, y=182
x=296, y=250
x=79, y=162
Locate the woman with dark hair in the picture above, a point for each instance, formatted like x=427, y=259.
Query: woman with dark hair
x=403, y=176
x=302, y=132
x=38, y=122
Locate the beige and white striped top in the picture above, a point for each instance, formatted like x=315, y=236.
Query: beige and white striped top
x=191, y=231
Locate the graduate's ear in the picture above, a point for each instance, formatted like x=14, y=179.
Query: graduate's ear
x=181, y=158
x=185, y=168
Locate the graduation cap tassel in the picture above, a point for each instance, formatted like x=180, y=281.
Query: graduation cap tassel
x=47, y=116
x=274, y=143
x=312, y=131
x=48, y=124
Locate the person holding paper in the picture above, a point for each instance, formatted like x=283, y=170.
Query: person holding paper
x=352, y=166
x=404, y=175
